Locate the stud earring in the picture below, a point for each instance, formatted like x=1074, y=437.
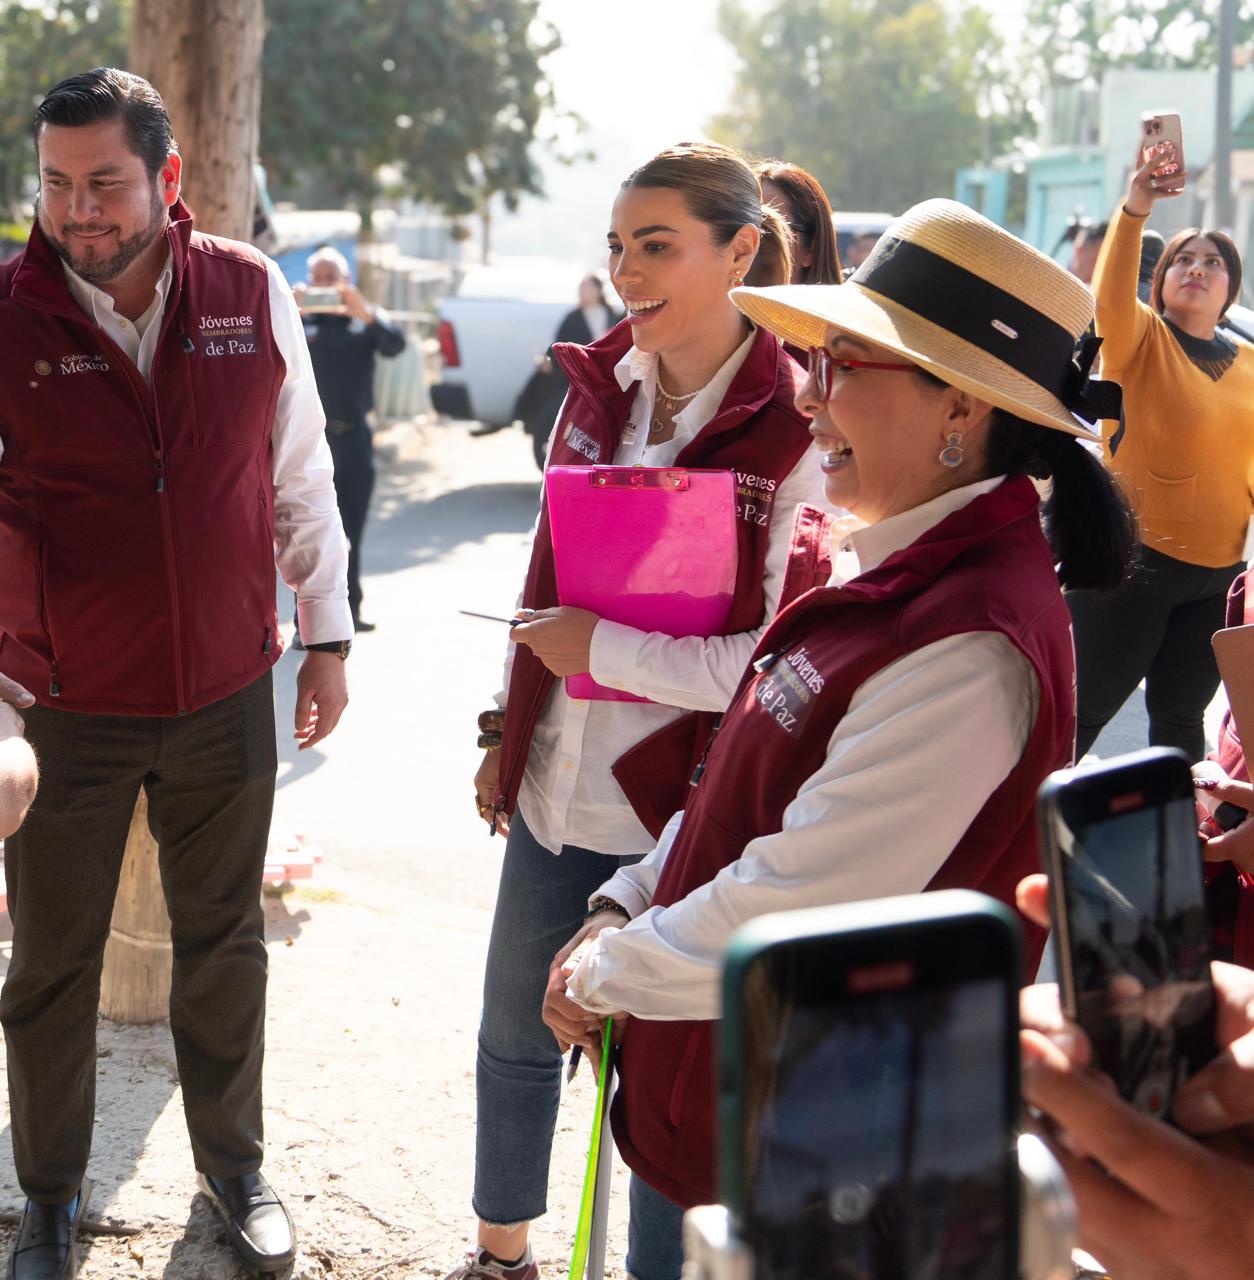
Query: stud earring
x=951, y=455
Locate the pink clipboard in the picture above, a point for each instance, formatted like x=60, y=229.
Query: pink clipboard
x=650, y=547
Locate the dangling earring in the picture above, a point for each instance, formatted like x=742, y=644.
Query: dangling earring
x=737, y=281
x=951, y=455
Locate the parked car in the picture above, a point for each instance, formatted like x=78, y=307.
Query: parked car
x=492, y=330
x=1240, y=320
x=849, y=226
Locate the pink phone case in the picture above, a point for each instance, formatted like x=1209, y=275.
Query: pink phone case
x=650, y=547
x=1162, y=126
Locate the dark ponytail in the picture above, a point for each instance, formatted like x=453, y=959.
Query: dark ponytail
x=1090, y=526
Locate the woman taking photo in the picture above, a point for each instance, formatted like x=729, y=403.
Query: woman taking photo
x=803, y=203
x=685, y=381
x=893, y=728
x=1185, y=457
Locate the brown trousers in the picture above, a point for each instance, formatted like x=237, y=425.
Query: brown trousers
x=210, y=783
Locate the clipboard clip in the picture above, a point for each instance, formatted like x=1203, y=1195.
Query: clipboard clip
x=638, y=478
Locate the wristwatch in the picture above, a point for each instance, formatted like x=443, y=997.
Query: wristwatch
x=603, y=903
x=341, y=648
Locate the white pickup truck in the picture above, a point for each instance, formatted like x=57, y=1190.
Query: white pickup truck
x=492, y=328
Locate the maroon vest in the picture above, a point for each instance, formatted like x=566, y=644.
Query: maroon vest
x=137, y=522
x=1229, y=890
x=986, y=567
x=756, y=433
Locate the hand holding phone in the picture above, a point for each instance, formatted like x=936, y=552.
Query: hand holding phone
x=1131, y=932
x=325, y=300
x=870, y=1090
x=1159, y=169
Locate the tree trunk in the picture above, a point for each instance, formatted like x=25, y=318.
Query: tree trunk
x=204, y=58
x=135, y=986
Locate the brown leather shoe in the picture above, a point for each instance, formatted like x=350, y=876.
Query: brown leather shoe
x=257, y=1224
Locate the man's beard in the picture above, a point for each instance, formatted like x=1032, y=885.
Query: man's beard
x=96, y=270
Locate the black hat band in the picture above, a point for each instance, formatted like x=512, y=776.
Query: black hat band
x=998, y=323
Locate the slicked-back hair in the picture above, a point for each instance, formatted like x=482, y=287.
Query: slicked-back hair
x=106, y=93
x=721, y=190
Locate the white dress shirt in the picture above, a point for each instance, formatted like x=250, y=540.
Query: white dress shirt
x=924, y=744
x=309, y=547
x=568, y=795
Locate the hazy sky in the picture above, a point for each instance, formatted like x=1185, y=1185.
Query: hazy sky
x=650, y=70
x=642, y=75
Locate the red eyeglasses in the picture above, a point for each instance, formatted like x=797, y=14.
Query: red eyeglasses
x=823, y=366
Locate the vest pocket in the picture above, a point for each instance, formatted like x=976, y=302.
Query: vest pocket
x=676, y=1107
x=54, y=685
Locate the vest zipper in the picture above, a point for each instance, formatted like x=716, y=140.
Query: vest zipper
x=699, y=771
x=171, y=568
x=147, y=397
x=762, y=665
x=265, y=648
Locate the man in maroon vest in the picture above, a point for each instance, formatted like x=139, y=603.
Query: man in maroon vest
x=161, y=448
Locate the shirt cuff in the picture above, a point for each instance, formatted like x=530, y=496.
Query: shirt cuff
x=582, y=984
x=614, y=654
x=324, y=621
x=625, y=892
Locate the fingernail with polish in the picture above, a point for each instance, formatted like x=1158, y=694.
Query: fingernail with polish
x=1205, y=784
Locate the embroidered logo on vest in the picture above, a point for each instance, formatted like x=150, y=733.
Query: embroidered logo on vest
x=582, y=442
x=83, y=364
x=787, y=690
x=227, y=336
x=755, y=496
x=43, y=368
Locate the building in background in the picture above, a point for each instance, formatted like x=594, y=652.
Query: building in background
x=1088, y=141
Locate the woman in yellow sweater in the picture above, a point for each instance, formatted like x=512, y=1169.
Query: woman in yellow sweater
x=1185, y=454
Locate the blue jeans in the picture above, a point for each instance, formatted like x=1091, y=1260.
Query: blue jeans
x=540, y=906
x=655, y=1240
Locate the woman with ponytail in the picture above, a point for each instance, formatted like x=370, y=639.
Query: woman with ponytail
x=892, y=730
x=686, y=381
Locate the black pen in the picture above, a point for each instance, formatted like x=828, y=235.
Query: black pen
x=573, y=1065
x=489, y=617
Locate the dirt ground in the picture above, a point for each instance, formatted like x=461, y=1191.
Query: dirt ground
x=376, y=963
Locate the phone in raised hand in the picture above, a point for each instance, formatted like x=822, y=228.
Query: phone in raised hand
x=1158, y=127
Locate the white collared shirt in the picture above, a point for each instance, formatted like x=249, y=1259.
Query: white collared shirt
x=924, y=744
x=309, y=547
x=137, y=338
x=569, y=796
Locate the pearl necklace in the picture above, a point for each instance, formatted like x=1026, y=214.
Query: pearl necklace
x=672, y=405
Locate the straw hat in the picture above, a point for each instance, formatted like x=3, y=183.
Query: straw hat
x=957, y=295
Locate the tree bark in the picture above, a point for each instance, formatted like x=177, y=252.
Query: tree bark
x=135, y=986
x=204, y=58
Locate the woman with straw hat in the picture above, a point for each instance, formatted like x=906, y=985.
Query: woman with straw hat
x=892, y=729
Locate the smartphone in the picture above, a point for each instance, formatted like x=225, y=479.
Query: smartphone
x=321, y=300
x=1130, y=927
x=1158, y=127
x=869, y=1090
